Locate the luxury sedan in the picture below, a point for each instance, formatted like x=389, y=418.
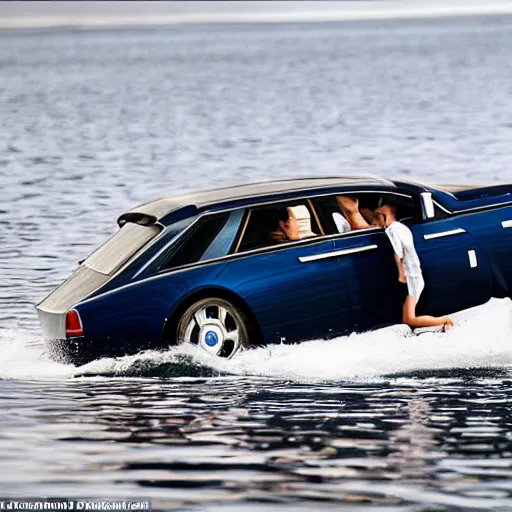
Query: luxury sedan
x=215, y=270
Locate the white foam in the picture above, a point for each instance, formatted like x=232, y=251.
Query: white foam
x=481, y=338
x=22, y=359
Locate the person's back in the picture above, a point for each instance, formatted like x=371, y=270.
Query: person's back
x=402, y=241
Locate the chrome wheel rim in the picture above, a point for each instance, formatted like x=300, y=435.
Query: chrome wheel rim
x=215, y=329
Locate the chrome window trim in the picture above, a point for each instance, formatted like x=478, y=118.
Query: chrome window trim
x=270, y=202
x=317, y=196
x=309, y=196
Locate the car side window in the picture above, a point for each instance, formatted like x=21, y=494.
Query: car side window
x=262, y=222
x=334, y=221
x=196, y=241
x=329, y=214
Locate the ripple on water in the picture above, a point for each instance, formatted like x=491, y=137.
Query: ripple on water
x=95, y=122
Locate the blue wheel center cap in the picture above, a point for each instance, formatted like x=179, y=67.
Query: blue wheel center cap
x=211, y=338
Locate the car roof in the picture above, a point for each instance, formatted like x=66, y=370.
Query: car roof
x=154, y=211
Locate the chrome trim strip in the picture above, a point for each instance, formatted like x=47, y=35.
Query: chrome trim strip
x=442, y=234
x=506, y=224
x=335, y=254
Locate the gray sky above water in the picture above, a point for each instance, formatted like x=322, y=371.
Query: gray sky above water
x=46, y=14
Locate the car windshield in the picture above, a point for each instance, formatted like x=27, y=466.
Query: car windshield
x=120, y=248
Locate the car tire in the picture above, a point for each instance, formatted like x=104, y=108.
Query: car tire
x=215, y=325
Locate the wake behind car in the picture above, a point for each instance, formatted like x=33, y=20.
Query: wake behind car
x=203, y=269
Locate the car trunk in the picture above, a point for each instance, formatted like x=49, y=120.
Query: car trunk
x=91, y=275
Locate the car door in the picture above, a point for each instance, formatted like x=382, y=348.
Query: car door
x=455, y=268
x=370, y=274
x=295, y=289
x=365, y=258
x=492, y=229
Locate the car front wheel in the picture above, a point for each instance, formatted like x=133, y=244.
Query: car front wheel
x=215, y=325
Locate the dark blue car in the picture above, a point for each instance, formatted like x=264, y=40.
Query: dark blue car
x=203, y=269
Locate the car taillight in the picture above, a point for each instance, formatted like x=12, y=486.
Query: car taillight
x=73, y=324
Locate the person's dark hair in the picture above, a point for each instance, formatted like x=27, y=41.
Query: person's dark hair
x=388, y=201
x=283, y=214
x=370, y=202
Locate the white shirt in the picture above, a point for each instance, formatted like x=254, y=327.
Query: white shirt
x=342, y=224
x=402, y=241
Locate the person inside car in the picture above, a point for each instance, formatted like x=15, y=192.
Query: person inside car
x=367, y=206
x=409, y=268
x=294, y=223
x=349, y=206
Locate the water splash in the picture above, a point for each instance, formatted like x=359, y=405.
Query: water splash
x=481, y=339
x=23, y=358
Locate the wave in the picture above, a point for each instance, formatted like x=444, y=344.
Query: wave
x=481, y=339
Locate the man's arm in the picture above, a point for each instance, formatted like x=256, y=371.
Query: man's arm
x=350, y=208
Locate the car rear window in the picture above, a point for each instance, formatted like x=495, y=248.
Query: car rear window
x=197, y=241
x=120, y=248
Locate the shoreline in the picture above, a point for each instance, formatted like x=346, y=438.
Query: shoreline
x=58, y=23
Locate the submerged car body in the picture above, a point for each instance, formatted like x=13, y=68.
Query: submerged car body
x=202, y=269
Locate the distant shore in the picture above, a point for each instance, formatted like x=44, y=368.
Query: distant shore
x=411, y=11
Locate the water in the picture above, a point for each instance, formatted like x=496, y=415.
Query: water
x=94, y=122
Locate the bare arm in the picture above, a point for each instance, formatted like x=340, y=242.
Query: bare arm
x=350, y=209
x=400, y=264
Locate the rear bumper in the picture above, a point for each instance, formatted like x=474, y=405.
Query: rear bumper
x=52, y=324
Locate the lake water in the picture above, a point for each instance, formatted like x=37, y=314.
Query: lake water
x=95, y=122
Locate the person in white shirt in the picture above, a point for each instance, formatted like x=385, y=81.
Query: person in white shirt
x=409, y=267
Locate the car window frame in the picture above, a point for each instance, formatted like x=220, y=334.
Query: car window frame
x=284, y=245
x=245, y=222
x=178, y=241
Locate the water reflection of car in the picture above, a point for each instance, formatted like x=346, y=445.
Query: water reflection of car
x=201, y=269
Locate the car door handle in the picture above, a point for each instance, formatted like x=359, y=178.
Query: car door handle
x=336, y=254
x=506, y=224
x=442, y=234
